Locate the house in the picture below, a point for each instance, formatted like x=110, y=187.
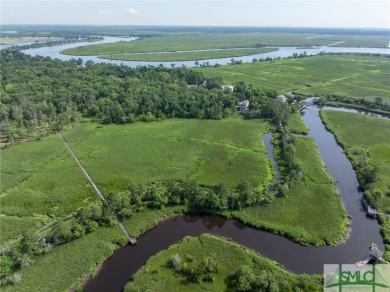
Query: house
x=228, y=88
x=282, y=98
x=243, y=106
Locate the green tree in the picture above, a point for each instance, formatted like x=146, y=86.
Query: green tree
x=243, y=279
x=26, y=244
x=246, y=194
x=6, y=266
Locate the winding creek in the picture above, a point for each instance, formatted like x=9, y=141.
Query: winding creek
x=281, y=52
x=118, y=269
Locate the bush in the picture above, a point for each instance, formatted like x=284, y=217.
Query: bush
x=6, y=266
x=120, y=241
x=16, y=278
x=176, y=262
x=193, y=272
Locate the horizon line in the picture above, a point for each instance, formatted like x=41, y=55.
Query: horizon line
x=193, y=25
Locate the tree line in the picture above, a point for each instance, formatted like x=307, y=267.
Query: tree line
x=197, y=198
x=377, y=105
x=43, y=93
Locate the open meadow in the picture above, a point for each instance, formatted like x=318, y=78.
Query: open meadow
x=296, y=125
x=229, y=151
x=39, y=181
x=351, y=75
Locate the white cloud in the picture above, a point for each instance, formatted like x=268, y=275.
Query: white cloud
x=106, y=11
x=132, y=11
x=112, y=11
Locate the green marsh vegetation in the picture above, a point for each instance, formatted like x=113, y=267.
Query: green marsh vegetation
x=295, y=214
x=349, y=75
x=296, y=125
x=234, y=144
x=202, y=41
x=10, y=40
x=187, y=56
x=39, y=181
x=233, y=151
x=199, y=41
x=367, y=144
x=67, y=265
x=210, y=152
x=378, y=105
x=202, y=264
x=235, y=140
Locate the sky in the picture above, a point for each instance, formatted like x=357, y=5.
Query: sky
x=285, y=13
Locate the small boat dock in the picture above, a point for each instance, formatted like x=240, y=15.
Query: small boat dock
x=375, y=255
x=372, y=212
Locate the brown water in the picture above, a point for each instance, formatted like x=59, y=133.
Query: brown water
x=119, y=268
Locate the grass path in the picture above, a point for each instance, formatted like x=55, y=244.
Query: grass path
x=122, y=227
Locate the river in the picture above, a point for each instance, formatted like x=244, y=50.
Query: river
x=118, y=269
x=282, y=52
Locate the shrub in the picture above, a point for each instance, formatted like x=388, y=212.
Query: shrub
x=6, y=266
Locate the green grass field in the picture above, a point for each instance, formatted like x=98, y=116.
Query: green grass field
x=363, y=41
x=156, y=275
x=198, y=41
x=66, y=265
x=296, y=125
x=12, y=226
x=352, y=75
x=39, y=180
x=296, y=215
x=229, y=151
x=187, y=56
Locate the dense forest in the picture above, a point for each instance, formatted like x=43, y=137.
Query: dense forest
x=41, y=95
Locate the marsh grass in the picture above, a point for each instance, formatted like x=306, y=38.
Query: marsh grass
x=40, y=177
x=66, y=265
x=351, y=75
x=296, y=216
x=188, y=56
x=296, y=125
x=156, y=275
x=229, y=151
x=182, y=42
